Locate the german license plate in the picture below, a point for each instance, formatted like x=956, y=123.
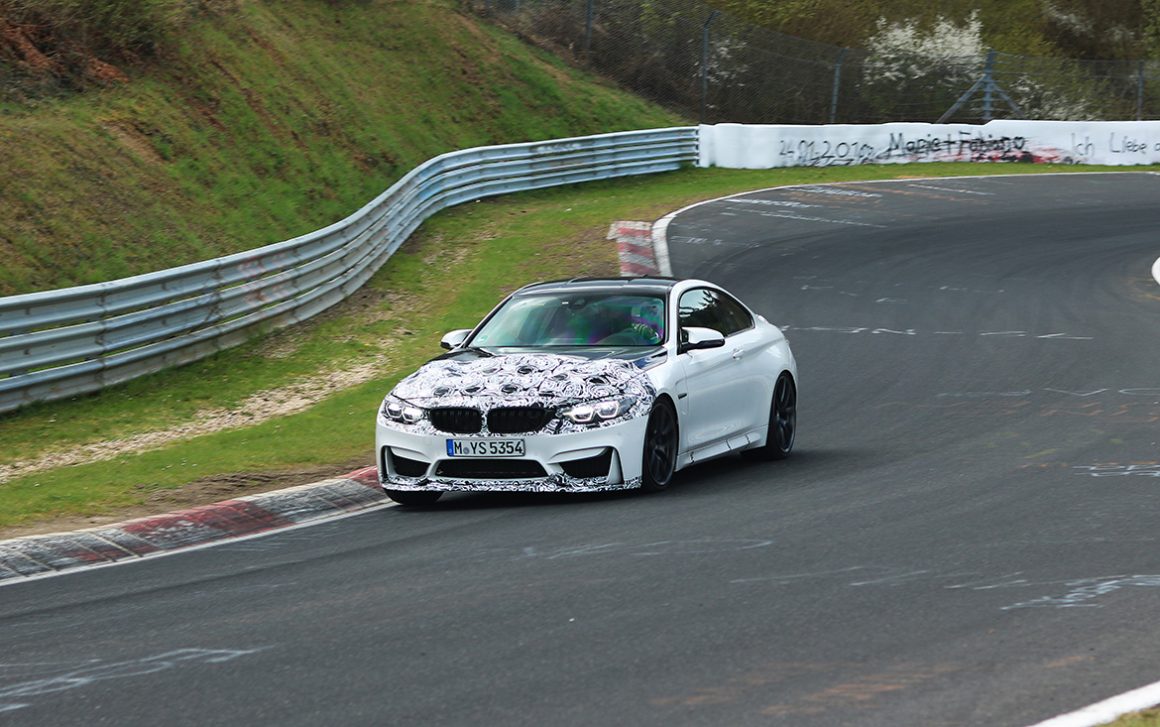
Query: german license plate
x=485, y=448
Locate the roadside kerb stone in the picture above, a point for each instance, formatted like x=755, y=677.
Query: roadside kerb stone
x=42, y=554
x=634, y=247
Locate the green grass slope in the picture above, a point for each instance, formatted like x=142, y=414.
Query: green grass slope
x=267, y=122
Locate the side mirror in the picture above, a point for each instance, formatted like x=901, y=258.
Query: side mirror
x=454, y=338
x=696, y=339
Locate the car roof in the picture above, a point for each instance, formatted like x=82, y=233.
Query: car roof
x=649, y=284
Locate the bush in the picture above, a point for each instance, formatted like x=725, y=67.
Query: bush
x=104, y=28
x=49, y=47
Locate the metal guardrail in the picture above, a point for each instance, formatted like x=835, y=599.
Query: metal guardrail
x=59, y=343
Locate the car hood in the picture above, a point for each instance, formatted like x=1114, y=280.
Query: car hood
x=518, y=377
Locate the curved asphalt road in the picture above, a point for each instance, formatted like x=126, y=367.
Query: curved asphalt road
x=938, y=551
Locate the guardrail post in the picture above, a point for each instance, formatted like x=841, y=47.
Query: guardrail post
x=101, y=342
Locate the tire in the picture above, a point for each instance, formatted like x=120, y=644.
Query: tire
x=414, y=499
x=782, y=422
x=659, y=459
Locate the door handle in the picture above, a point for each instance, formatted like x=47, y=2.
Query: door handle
x=738, y=353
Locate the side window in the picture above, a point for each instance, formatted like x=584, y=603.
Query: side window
x=697, y=308
x=707, y=308
x=738, y=318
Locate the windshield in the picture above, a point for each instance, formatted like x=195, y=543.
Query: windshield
x=571, y=319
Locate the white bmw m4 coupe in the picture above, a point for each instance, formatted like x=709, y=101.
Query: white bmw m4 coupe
x=589, y=385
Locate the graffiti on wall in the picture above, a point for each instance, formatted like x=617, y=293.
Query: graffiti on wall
x=1032, y=142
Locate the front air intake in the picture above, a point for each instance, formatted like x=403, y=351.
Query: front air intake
x=589, y=467
x=490, y=469
x=407, y=467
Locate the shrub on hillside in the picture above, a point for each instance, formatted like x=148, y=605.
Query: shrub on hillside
x=65, y=43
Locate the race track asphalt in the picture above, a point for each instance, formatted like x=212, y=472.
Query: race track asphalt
x=967, y=533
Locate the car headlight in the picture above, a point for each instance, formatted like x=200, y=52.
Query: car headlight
x=598, y=411
x=395, y=409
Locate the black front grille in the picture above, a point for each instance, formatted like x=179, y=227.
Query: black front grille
x=491, y=469
x=589, y=467
x=518, y=419
x=407, y=467
x=457, y=420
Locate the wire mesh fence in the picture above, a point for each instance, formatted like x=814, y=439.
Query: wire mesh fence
x=714, y=67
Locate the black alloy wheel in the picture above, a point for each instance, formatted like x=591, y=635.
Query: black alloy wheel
x=782, y=422
x=415, y=499
x=660, y=447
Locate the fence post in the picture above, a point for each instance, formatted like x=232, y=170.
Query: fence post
x=1140, y=91
x=986, y=82
x=705, y=61
x=989, y=87
x=837, y=85
x=587, y=29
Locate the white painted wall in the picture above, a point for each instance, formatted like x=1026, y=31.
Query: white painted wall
x=751, y=146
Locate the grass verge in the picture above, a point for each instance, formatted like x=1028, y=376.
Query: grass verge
x=447, y=276
x=1147, y=718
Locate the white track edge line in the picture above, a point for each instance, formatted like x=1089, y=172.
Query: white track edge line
x=660, y=241
x=1107, y=710
x=201, y=546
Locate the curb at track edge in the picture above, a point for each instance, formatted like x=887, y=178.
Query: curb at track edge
x=40, y=556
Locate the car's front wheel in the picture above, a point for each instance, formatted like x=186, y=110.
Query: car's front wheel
x=416, y=499
x=660, y=447
x=782, y=422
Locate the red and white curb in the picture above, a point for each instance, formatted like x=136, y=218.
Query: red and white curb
x=41, y=555
x=634, y=248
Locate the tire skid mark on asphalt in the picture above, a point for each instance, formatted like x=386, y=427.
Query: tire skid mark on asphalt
x=1083, y=590
x=953, y=190
x=913, y=332
x=92, y=671
x=858, y=692
x=1077, y=592
x=1112, y=469
x=736, y=688
x=1127, y=406
x=695, y=546
x=863, y=691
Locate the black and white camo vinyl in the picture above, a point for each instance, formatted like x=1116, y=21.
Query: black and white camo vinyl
x=549, y=380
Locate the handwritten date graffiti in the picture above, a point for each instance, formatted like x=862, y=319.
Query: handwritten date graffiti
x=952, y=146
